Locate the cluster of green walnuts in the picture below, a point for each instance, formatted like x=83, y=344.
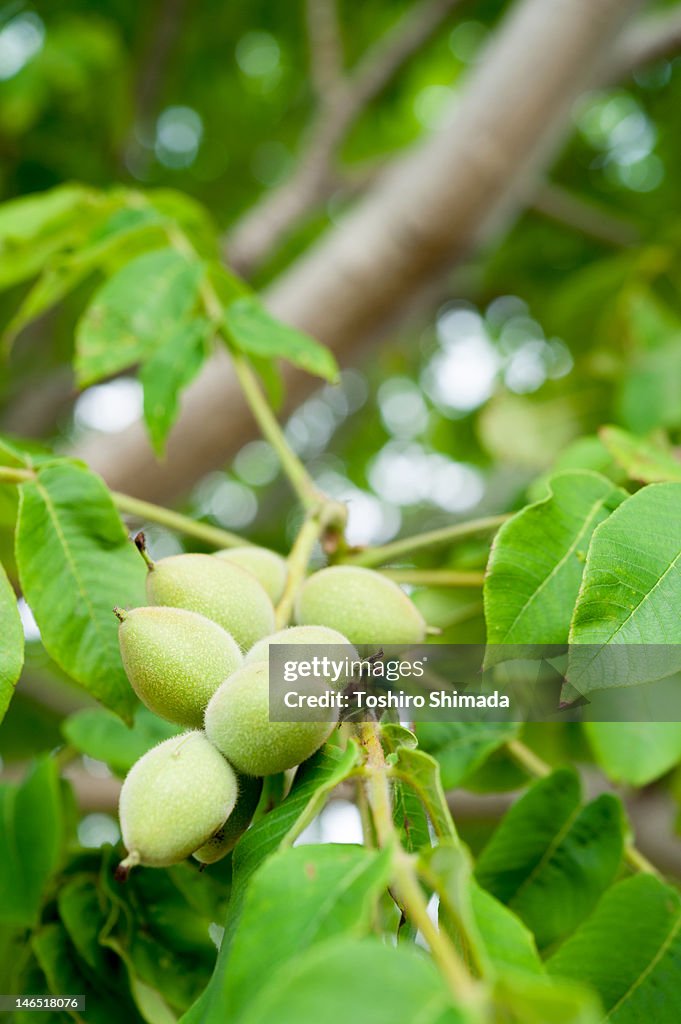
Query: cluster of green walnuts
x=198, y=656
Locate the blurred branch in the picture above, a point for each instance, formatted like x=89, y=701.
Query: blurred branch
x=591, y=219
x=648, y=40
x=460, y=186
x=92, y=793
x=342, y=98
x=326, y=49
x=164, y=31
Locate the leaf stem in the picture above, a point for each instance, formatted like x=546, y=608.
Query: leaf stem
x=527, y=759
x=212, y=535
x=297, y=563
x=145, y=510
x=421, y=541
x=10, y=475
x=405, y=883
x=298, y=476
x=320, y=517
x=435, y=577
x=537, y=767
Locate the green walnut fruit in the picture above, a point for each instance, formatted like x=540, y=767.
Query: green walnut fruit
x=225, y=593
x=267, y=566
x=309, y=637
x=175, y=660
x=363, y=605
x=237, y=722
x=301, y=635
x=173, y=800
x=227, y=836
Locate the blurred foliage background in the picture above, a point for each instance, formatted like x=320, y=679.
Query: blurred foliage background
x=572, y=320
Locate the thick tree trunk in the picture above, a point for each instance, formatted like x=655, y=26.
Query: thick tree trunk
x=461, y=184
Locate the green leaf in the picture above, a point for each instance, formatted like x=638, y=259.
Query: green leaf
x=334, y=890
x=252, y=330
x=629, y=950
x=75, y=563
x=551, y=857
x=160, y=934
x=141, y=228
x=643, y=460
x=169, y=370
x=136, y=312
x=82, y=913
x=421, y=772
x=410, y=818
x=630, y=594
x=523, y=998
x=508, y=943
x=446, y=868
x=30, y=843
x=22, y=453
x=490, y=936
x=629, y=578
x=409, y=815
x=11, y=643
x=35, y=227
x=362, y=981
x=650, y=393
x=65, y=975
x=314, y=781
x=635, y=752
x=191, y=216
x=537, y=560
x=103, y=736
x=462, y=747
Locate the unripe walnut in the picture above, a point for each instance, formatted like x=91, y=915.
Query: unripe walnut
x=173, y=800
x=175, y=660
x=223, y=592
x=363, y=605
x=267, y=566
x=237, y=722
x=302, y=636
x=227, y=836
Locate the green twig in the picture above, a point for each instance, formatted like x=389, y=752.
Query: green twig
x=405, y=884
x=212, y=535
x=537, y=767
x=397, y=549
x=298, y=476
x=145, y=510
x=435, y=577
x=328, y=513
x=297, y=563
x=9, y=475
x=527, y=759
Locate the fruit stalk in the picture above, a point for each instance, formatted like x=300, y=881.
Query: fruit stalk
x=319, y=518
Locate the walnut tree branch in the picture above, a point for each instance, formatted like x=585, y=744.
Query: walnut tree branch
x=649, y=39
x=326, y=49
x=342, y=100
